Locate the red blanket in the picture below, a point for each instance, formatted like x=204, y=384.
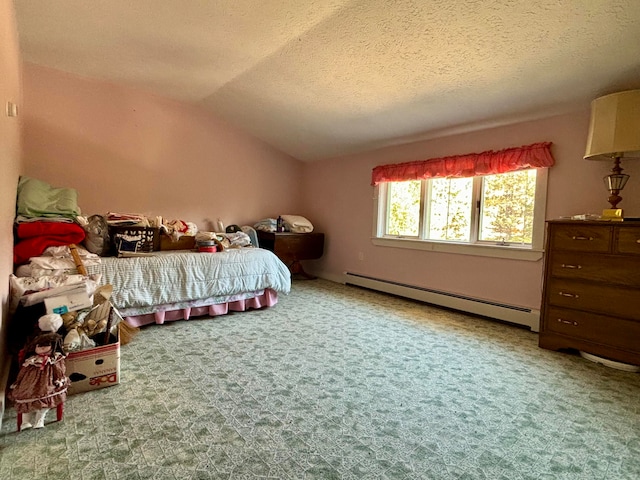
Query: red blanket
x=35, y=237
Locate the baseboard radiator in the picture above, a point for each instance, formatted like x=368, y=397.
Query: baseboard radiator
x=508, y=313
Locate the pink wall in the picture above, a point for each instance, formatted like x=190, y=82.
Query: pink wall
x=126, y=150
x=10, y=164
x=340, y=202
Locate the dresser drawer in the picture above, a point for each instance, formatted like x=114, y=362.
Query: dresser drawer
x=581, y=238
x=612, y=269
x=609, y=300
x=300, y=246
x=623, y=334
x=628, y=240
x=591, y=297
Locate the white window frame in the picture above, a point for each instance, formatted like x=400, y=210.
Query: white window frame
x=533, y=252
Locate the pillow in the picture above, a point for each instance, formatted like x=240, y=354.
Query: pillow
x=297, y=224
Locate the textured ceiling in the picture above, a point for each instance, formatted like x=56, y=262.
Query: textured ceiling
x=321, y=78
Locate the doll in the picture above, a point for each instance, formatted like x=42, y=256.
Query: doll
x=42, y=382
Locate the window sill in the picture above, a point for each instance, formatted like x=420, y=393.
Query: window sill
x=498, y=251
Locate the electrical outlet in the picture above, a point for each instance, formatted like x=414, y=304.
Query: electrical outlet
x=360, y=256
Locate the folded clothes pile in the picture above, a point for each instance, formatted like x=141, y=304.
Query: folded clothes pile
x=266, y=225
x=45, y=218
x=291, y=223
x=35, y=237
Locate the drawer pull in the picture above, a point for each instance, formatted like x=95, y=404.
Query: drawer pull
x=565, y=294
x=568, y=322
x=566, y=265
x=575, y=237
x=638, y=240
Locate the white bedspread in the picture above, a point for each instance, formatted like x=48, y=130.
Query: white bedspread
x=181, y=276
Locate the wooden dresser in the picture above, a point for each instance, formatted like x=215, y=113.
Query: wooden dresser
x=591, y=297
x=293, y=247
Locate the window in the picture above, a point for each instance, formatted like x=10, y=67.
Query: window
x=507, y=208
x=449, y=205
x=466, y=203
x=443, y=208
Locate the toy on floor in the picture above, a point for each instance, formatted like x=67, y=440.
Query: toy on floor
x=42, y=382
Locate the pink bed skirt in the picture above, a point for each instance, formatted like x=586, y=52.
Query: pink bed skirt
x=268, y=299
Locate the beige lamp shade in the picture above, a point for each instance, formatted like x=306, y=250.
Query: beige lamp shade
x=615, y=126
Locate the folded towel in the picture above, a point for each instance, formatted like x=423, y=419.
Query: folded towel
x=297, y=224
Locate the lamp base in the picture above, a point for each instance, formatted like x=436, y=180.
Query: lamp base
x=612, y=214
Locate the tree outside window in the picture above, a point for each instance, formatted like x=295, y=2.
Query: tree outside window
x=495, y=209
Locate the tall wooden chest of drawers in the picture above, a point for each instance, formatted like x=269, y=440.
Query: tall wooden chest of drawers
x=591, y=297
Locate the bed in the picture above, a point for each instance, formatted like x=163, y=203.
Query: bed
x=181, y=284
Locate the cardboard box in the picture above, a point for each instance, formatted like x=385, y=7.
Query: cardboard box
x=69, y=302
x=44, y=293
x=185, y=242
x=94, y=368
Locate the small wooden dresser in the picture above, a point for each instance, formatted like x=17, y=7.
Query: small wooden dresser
x=591, y=297
x=293, y=247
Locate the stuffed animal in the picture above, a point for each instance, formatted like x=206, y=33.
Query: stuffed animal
x=42, y=382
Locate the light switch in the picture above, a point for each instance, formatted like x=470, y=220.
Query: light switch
x=12, y=109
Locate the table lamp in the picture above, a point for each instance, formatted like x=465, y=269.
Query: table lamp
x=614, y=132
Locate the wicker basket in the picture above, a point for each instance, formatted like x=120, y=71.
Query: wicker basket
x=134, y=239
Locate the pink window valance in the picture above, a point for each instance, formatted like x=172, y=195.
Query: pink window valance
x=537, y=155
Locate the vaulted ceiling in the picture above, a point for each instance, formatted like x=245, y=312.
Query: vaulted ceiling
x=322, y=78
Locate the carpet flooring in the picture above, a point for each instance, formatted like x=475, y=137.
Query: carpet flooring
x=337, y=382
